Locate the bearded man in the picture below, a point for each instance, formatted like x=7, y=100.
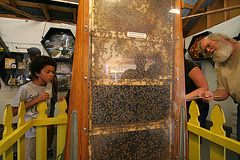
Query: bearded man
x=225, y=51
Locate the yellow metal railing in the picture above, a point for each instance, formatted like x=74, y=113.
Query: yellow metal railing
x=216, y=135
x=18, y=135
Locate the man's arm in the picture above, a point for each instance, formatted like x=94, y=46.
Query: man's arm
x=218, y=95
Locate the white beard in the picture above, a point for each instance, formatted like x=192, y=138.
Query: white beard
x=223, y=51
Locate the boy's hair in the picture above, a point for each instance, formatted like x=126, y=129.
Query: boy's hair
x=39, y=63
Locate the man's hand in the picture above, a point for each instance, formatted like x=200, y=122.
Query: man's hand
x=207, y=96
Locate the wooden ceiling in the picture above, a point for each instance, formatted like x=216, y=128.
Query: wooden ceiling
x=193, y=11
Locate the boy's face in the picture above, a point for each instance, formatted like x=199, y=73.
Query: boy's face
x=46, y=74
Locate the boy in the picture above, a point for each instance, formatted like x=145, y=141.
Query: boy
x=43, y=69
x=34, y=52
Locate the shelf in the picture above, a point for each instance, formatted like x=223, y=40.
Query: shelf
x=59, y=43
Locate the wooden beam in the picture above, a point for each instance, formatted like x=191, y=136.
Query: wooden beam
x=186, y=29
x=36, y=5
x=13, y=3
x=212, y=12
x=52, y=21
x=75, y=15
x=45, y=11
x=8, y=16
x=182, y=3
x=18, y=11
x=226, y=14
x=199, y=21
x=78, y=101
x=192, y=6
x=194, y=10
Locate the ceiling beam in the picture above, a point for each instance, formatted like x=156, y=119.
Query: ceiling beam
x=182, y=3
x=212, y=12
x=75, y=15
x=194, y=10
x=199, y=21
x=52, y=21
x=36, y=5
x=13, y=3
x=192, y=6
x=186, y=29
x=18, y=11
x=45, y=11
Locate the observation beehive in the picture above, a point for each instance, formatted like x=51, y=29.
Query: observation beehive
x=128, y=85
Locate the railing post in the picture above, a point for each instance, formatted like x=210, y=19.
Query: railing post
x=41, y=133
x=8, y=129
x=217, y=116
x=21, y=141
x=194, y=139
x=61, y=128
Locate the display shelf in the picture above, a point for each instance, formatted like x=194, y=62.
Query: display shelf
x=14, y=68
x=193, y=50
x=64, y=81
x=59, y=43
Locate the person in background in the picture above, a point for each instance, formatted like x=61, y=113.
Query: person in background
x=195, y=82
x=225, y=52
x=43, y=70
x=34, y=52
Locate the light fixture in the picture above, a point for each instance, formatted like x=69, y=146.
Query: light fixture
x=67, y=1
x=176, y=11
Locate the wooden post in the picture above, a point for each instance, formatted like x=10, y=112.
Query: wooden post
x=179, y=101
x=79, y=82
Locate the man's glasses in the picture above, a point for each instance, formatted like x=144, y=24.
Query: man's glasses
x=208, y=47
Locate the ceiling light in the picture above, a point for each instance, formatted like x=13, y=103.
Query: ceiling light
x=176, y=11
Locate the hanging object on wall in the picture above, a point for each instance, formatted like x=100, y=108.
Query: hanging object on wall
x=59, y=43
x=193, y=50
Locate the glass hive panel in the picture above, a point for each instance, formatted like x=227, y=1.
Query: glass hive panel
x=132, y=77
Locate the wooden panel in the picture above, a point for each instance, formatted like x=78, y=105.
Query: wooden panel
x=77, y=100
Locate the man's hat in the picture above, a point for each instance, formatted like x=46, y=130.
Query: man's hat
x=34, y=51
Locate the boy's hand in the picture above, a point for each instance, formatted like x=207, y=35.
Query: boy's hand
x=43, y=96
x=61, y=98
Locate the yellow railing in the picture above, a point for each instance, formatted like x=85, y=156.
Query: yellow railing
x=18, y=135
x=216, y=135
